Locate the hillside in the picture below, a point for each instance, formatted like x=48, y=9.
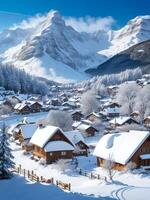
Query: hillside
x=136, y=56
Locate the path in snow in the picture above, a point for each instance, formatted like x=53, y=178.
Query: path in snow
x=131, y=192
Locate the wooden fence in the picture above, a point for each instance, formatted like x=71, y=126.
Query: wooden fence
x=31, y=175
x=91, y=175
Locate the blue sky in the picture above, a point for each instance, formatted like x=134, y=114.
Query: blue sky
x=120, y=10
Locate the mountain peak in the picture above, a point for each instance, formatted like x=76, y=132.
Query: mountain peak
x=54, y=17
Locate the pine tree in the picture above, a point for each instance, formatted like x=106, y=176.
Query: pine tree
x=6, y=157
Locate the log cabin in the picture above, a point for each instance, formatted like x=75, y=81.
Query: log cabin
x=81, y=148
x=123, y=148
x=50, y=143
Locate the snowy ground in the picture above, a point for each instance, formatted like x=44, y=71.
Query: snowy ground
x=125, y=186
x=24, y=190
x=14, y=118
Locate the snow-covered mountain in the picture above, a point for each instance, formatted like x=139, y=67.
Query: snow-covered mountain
x=54, y=50
x=137, y=30
x=58, y=52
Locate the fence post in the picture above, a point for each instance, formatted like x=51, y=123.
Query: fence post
x=41, y=178
x=98, y=176
x=32, y=173
x=52, y=180
x=57, y=183
x=28, y=174
x=37, y=179
x=20, y=169
x=69, y=186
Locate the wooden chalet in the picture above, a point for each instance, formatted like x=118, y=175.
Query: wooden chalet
x=111, y=105
x=77, y=115
x=86, y=129
x=22, y=108
x=25, y=133
x=122, y=120
x=35, y=106
x=13, y=130
x=147, y=122
x=123, y=148
x=51, y=144
x=135, y=114
x=93, y=117
x=55, y=102
x=81, y=148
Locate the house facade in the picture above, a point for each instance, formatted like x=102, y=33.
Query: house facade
x=123, y=148
x=51, y=144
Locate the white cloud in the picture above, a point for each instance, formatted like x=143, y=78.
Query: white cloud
x=31, y=22
x=90, y=24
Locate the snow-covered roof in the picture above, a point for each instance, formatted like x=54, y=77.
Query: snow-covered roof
x=120, y=147
x=86, y=121
x=43, y=134
x=58, y=146
x=148, y=117
x=69, y=103
x=20, y=106
x=76, y=124
x=120, y=120
x=95, y=114
x=112, y=110
x=74, y=136
x=83, y=127
x=28, y=130
x=145, y=156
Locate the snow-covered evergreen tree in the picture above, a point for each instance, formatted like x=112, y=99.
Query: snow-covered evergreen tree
x=6, y=157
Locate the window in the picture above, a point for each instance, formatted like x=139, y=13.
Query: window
x=51, y=154
x=63, y=153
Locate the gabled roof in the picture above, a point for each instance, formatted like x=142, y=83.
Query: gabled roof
x=93, y=113
x=76, y=124
x=120, y=147
x=28, y=130
x=120, y=120
x=58, y=146
x=84, y=127
x=20, y=106
x=43, y=134
x=74, y=136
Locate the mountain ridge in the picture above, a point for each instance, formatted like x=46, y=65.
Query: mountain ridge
x=58, y=52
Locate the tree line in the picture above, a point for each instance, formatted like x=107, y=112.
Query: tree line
x=18, y=80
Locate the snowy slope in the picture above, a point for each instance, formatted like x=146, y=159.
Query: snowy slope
x=137, y=30
x=53, y=50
